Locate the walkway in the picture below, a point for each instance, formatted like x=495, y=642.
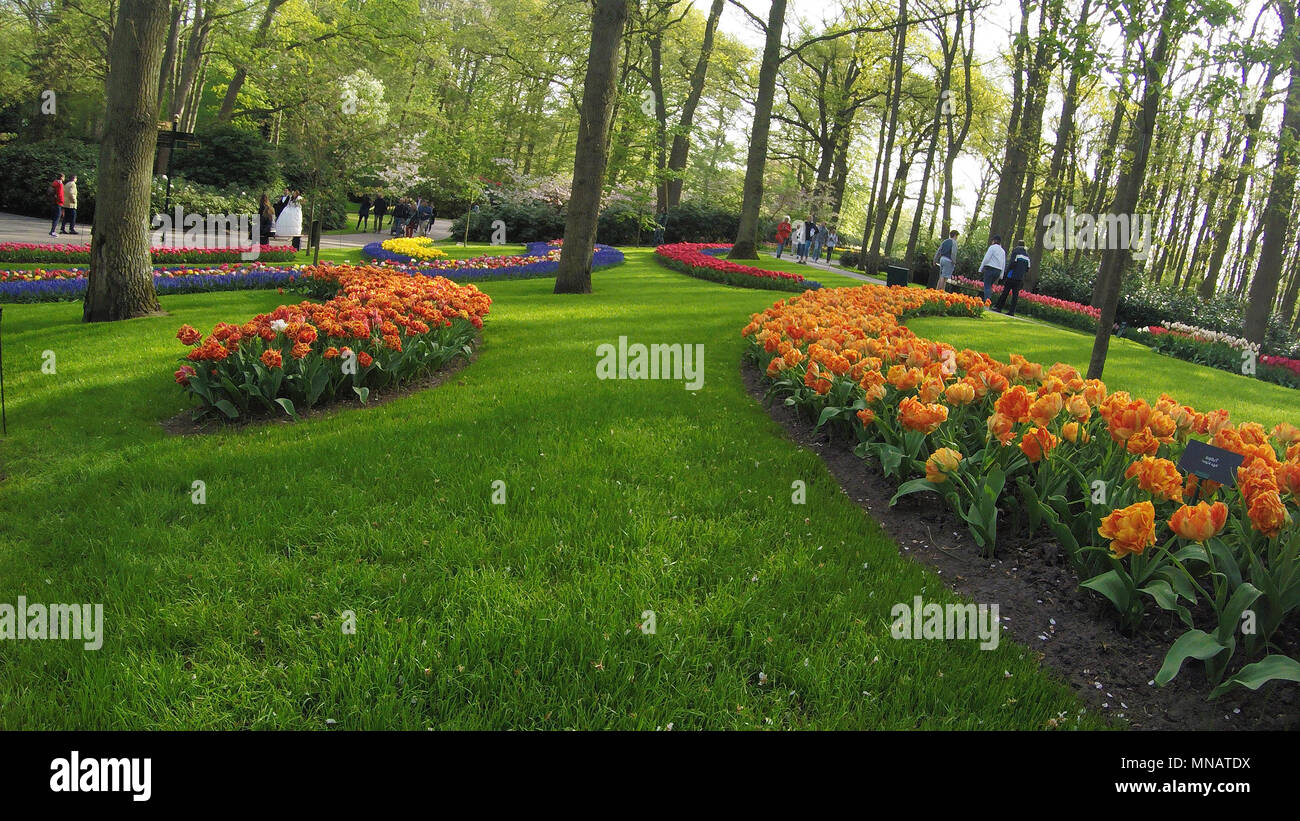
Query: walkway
x=18, y=228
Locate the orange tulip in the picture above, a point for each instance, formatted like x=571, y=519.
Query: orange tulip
x=1159, y=477
x=1288, y=478
x=1075, y=432
x=960, y=393
x=1077, y=407
x=1014, y=404
x=1037, y=443
x=1002, y=428
x=941, y=464
x=1286, y=433
x=1200, y=523
x=1046, y=409
x=866, y=416
x=1267, y=513
x=915, y=415
x=1130, y=530
x=1142, y=443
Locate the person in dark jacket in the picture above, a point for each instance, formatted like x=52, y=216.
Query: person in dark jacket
x=265, y=220
x=1017, y=267
x=379, y=209
x=363, y=213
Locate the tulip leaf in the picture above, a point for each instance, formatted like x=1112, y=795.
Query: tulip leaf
x=1254, y=676
x=1196, y=644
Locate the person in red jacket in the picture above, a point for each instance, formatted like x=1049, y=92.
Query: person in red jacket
x=782, y=235
x=56, y=203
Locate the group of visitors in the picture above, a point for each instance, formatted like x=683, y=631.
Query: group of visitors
x=807, y=237
x=409, y=217
x=997, y=266
x=63, y=205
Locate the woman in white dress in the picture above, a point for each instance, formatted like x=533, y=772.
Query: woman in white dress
x=289, y=223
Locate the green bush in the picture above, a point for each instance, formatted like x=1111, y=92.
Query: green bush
x=696, y=221
x=193, y=198
x=228, y=157
x=27, y=168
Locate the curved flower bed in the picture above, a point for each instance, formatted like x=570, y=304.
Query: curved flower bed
x=1060, y=311
x=540, y=259
x=71, y=254
x=1097, y=469
x=697, y=259
x=1218, y=350
x=70, y=284
x=382, y=328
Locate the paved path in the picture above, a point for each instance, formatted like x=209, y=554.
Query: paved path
x=18, y=228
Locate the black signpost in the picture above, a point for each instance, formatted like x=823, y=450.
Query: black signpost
x=1209, y=462
x=170, y=139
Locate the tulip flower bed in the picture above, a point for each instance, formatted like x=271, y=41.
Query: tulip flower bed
x=413, y=248
x=1048, y=308
x=380, y=329
x=540, y=259
x=70, y=284
x=1217, y=350
x=697, y=259
x=72, y=254
x=1097, y=470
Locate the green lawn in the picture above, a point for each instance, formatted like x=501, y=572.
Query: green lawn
x=1129, y=366
x=621, y=497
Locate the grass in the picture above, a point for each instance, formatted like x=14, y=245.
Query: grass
x=1129, y=365
x=621, y=497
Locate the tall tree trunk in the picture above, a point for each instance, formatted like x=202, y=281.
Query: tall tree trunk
x=120, y=284
x=955, y=141
x=167, y=74
x=876, y=229
x=574, y=273
x=656, y=44
x=1064, y=135
x=1281, y=194
x=686, y=121
x=1114, y=261
x=1233, y=208
x=746, y=245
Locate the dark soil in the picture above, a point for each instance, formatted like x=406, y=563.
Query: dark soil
x=185, y=424
x=1072, y=630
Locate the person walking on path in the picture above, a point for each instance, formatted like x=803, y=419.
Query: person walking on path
x=797, y=240
x=809, y=234
x=363, y=213
x=819, y=240
x=783, y=235
x=55, y=192
x=1017, y=267
x=946, y=257
x=380, y=208
x=832, y=239
x=69, y=207
x=992, y=266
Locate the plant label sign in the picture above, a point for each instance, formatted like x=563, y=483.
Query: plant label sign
x=1209, y=462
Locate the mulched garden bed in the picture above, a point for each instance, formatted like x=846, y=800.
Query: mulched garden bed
x=1073, y=631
